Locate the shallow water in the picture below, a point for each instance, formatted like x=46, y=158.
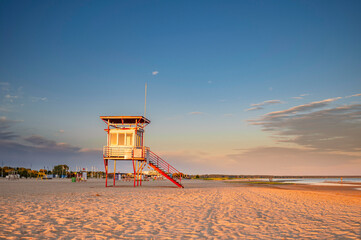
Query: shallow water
x=318, y=180
x=324, y=181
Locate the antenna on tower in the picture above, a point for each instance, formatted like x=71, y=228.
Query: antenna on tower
x=145, y=100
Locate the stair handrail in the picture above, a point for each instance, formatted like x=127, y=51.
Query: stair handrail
x=165, y=166
x=164, y=163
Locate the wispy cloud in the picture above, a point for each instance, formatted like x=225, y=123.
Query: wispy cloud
x=305, y=107
x=301, y=96
x=154, y=73
x=355, y=95
x=5, y=125
x=91, y=150
x=258, y=106
x=37, y=99
x=196, y=113
x=268, y=102
x=210, y=82
x=253, y=109
x=11, y=98
x=4, y=119
x=4, y=86
x=41, y=142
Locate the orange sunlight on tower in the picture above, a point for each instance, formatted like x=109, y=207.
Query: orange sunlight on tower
x=125, y=142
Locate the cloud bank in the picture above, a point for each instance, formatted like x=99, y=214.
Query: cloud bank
x=38, y=151
x=333, y=129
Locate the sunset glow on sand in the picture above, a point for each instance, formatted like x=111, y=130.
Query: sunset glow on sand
x=254, y=107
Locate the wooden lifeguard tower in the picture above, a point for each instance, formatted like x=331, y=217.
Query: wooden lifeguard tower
x=125, y=142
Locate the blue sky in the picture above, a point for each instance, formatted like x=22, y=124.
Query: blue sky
x=65, y=63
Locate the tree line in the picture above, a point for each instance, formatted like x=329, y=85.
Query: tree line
x=59, y=170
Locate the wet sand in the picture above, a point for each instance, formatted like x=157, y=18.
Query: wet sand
x=59, y=209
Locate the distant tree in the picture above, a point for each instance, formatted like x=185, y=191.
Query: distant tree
x=23, y=172
x=177, y=175
x=33, y=173
x=61, y=170
x=7, y=170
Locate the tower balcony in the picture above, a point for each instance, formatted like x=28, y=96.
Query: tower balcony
x=125, y=152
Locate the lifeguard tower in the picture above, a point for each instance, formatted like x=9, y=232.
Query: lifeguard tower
x=125, y=142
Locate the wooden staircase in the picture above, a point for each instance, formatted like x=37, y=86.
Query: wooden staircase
x=165, y=169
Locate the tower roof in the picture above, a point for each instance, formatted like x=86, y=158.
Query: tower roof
x=126, y=120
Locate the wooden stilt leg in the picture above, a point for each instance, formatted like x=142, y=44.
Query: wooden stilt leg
x=140, y=173
x=114, y=173
x=137, y=173
x=106, y=172
x=134, y=171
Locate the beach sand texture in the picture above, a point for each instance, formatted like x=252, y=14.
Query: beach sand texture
x=59, y=209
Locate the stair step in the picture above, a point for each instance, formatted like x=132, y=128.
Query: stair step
x=163, y=172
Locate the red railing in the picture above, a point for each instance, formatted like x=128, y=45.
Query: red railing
x=164, y=166
x=124, y=152
x=142, y=154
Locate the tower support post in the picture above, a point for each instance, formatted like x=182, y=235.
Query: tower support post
x=134, y=170
x=106, y=172
x=114, y=173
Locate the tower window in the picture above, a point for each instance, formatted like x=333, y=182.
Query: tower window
x=121, y=139
x=113, y=139
x=129, y=139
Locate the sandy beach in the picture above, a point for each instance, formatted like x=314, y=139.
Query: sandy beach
x=59, y=209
